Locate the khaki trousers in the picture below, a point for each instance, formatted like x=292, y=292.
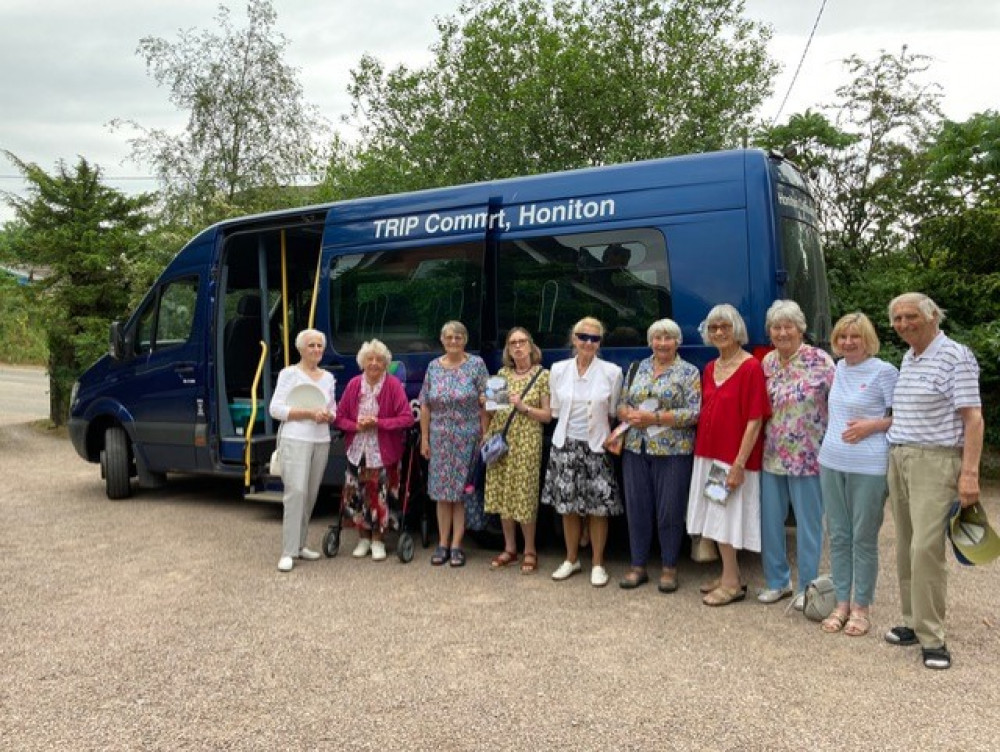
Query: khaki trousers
x=923, y=483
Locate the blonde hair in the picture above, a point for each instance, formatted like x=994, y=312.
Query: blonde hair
x=869, y=337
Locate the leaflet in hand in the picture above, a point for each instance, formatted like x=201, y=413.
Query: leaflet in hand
x=652, y=405
x=715, y=484
x=497, y=395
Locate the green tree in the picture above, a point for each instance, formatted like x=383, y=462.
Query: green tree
x=249, y=132
x=528, y=86
x=86, y=236
x=865, y=157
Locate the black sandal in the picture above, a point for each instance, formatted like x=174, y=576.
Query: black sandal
x=441, y=555
x=457, y=557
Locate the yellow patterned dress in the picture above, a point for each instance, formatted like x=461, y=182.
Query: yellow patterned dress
x=512, y=484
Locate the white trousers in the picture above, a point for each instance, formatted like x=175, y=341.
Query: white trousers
x=303, y=465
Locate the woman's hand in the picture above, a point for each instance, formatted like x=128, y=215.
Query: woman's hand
x=425, y=447
x=322, y=416
x=859, y=429
x=735, y=477
x=515, y=402
x=370, y=422
x=639, y=418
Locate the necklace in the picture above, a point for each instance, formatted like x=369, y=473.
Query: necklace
x=734, y=358
x=522, y=371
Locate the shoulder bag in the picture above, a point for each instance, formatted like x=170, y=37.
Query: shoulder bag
x=496, y=447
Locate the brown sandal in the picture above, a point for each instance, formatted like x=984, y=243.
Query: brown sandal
x=834, y=622
x=502, y=560
x=529, y=565
x=723, y=596
x=858, y=625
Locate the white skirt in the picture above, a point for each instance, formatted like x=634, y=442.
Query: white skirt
x=737, y=522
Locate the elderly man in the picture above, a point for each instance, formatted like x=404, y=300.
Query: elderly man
x=936, y=441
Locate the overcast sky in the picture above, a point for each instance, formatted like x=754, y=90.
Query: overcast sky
x=67, y=68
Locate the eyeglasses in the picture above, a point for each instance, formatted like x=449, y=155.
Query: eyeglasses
x=719, y=327
x=583, y=337
x=519, y=342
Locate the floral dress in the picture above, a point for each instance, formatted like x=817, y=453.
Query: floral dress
x=452, y=395
x=512, y=483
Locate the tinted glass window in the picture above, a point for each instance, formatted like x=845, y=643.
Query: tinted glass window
x=177, y=305
x=547, y=284
x=403, y=297
x=802, y=256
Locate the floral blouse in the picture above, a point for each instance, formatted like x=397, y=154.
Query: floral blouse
x=678, y=389
x=798, y=391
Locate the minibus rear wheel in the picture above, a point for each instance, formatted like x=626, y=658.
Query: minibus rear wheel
x=117, y=463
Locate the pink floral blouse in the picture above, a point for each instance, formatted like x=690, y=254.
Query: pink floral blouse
x=798, y=392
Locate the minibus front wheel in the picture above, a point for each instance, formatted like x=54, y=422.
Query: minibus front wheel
x=116, y=463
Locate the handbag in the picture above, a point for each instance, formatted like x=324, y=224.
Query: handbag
x=820, y=598
x=495, y=448
x=616, y=439
x=703, y=550
x=277, y=456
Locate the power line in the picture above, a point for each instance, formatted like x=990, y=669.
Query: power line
x=802, y=59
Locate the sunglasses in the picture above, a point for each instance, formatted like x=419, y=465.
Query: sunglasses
x=594, y=338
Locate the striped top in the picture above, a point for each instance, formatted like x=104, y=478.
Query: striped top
x=931, y=389
x=859, y=392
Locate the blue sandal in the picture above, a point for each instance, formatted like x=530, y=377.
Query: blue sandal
x=457, y=557
x=441, y=555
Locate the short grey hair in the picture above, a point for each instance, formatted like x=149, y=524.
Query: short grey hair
x=728, y=313
x=301, y=337
x=927, y=307
x=785, y=310
x=455, y=326
x=665, y=327
x=374, y=347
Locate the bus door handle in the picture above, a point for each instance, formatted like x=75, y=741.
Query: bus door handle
x=186, y=372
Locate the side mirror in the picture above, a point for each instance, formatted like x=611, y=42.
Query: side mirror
x=116, y=343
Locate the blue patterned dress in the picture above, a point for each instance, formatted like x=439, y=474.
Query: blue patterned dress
x=452, y=394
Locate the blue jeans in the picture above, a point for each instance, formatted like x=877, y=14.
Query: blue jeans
x=803, y=492
x=656, y=494
x=854, y=510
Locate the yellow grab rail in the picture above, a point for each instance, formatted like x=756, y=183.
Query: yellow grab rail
x=253, y=413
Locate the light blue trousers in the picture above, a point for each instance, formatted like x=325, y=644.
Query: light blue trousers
x=855, y=507
x=803, y=492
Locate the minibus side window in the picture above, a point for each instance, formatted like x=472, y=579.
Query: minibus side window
x=168, y=318
x=802, y=256
x=403, y=297
x=549, y=283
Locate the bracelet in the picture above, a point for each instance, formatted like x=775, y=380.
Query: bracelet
x=659, y=421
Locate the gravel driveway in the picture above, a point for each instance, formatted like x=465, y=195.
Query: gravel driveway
x=162, y=623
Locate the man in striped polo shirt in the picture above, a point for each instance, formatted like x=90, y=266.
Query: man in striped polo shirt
x=936, y=441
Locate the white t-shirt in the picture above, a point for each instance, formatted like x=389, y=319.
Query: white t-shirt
x=302, y=430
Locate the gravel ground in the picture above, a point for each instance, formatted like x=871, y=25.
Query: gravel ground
x=162, y=623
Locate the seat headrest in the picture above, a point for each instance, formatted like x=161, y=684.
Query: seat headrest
x=249, y=305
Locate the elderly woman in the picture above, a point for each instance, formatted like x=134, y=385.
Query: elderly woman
x=798, y=381
x=724, y=501
x=579, y=480
x=373, y=414
x=452, y=423
x=853, y=461
x=305, y=402
x=661, y=406
x=512, y=482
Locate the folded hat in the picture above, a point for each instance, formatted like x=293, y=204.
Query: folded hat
x=972, y=538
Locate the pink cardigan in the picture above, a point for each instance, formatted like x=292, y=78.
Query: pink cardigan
x=394, y=417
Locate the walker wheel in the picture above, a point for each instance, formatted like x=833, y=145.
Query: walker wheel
x=331, y=542
x=404, y=547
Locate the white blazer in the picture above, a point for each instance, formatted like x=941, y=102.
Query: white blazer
x=607, y=386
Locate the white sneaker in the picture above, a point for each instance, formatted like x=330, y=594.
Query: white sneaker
x=598, y=576
x=308, y=554
x=285, y=564
x=566, y=570
x=773, y=595
x=378, y=551
x=799, y=603
x=361, y=550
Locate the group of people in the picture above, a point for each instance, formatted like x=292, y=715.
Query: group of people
x=721, y=455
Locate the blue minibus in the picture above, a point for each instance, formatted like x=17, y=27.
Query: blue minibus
x=188, y=376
